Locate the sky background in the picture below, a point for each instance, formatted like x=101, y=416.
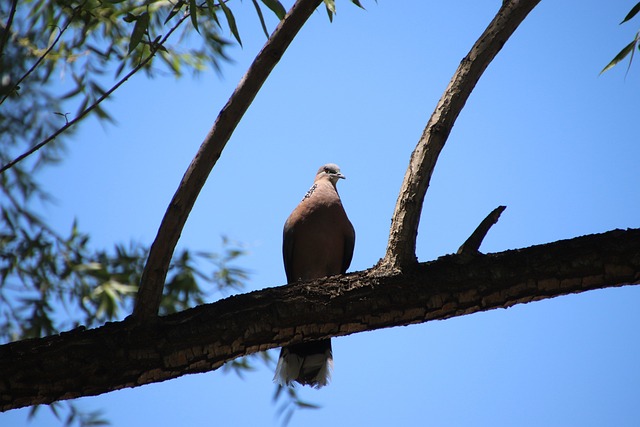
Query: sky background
x=542, y=133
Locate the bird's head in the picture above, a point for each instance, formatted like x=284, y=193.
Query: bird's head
x=330, y=171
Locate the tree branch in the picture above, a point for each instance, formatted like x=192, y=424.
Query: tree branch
x=472, y=244
x=155, y=271
x=401, y=247
x=61, y=31
x=7, y=27
x=125, y=354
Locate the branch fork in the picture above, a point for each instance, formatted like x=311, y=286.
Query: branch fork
x=401, y=248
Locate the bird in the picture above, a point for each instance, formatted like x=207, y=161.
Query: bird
x=318, y=241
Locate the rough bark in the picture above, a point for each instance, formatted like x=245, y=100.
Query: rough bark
x=127, y=354
x=406, y=216
x=155, y=271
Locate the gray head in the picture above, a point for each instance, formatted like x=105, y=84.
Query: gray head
x=330, y=171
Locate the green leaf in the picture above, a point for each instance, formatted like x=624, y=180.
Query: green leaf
x=633, y=12
x=32, y=412
x=72, y=93
x=120, y=68
x=103, y=114
x=307, y=405
x=276, y=7
x=212, y=9
x=174, y=11
x=259, y=12
x=631, y=57
x=81, y=108
x=129, y=17
x=621, y=55
x=231, y=20
x=139, y=30
x=331, y=8
x=193, y=13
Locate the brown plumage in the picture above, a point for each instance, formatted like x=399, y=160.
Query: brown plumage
x=318, y=241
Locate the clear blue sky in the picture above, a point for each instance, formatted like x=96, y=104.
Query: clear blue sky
x=542, y=133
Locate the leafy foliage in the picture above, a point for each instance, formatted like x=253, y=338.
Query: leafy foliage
x=291, y=403
x=330, y=6
x=86, y=41
x=629, y=49
x=74, y=415
x=52, y=283
x=62, y=55
x=42, y=271
x=633, y=12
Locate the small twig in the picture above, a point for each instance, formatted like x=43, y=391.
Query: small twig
x=37, y=63
x=472, y=244
x=154, y=47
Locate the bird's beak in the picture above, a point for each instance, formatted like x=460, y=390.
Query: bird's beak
x=339, y=175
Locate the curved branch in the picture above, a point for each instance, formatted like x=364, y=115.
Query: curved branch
x=155, y=271
x=401, y=247
x=125, y=354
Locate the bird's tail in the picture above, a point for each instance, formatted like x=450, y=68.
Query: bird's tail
x=308, y=364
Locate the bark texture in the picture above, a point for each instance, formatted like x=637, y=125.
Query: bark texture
x=128, y=354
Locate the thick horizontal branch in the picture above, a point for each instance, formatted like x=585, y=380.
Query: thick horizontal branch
x=126, y=354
